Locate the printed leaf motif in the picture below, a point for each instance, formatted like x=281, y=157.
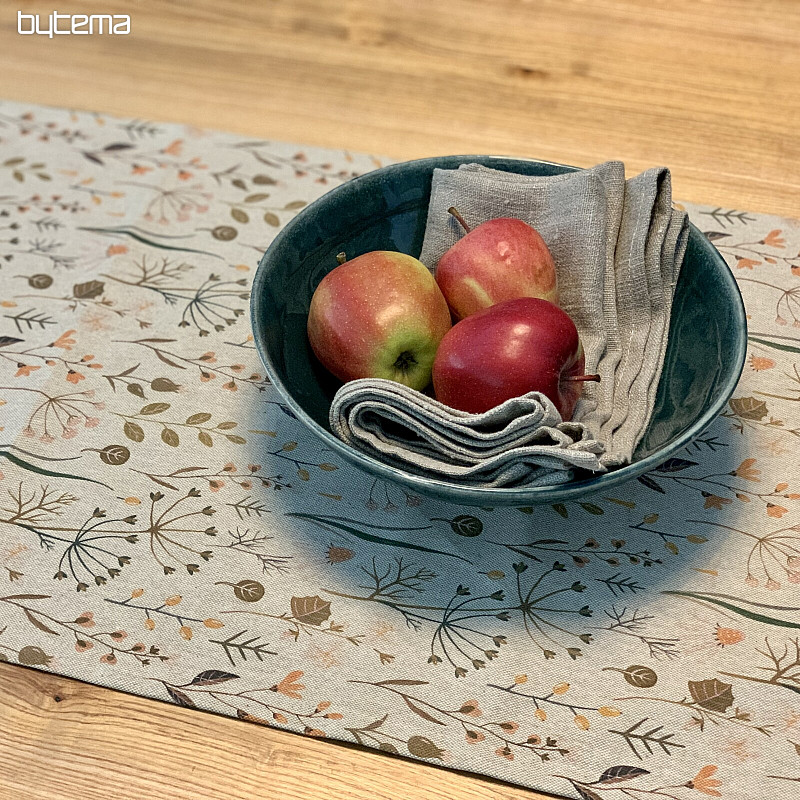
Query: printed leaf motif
x=205, y=438
x=168, y=436
x=249, y=591
x=239, y=215
x=640, y=676
x=256, y=198
x=373, y=726
x=401, y=682
x=621, y=773
x=198, y=419
x=466, y=525
x=592, y=508
x=211, y=677
x=310, y=610
x=153, y=408
x=561, y=510
x=5, y=341
x=181, y=698
x=675, y=465
x=585, y=792
x=88, y=290
x=650, y=483
x=714, y=235
x=37, y=623
x=272, y=219
x=748, y=407
x=421, y=712
x=115, y=454
x=712, y=694
x=133, y=431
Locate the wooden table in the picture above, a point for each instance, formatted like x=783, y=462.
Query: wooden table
x=707, y=88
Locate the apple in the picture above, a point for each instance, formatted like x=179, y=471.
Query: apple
x=514, y=347
x=501, y=259
x=380, y=315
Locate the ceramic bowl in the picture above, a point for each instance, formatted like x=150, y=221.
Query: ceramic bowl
x=386, y=210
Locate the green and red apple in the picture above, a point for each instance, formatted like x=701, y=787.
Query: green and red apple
x=380, y=315
x=501, y=259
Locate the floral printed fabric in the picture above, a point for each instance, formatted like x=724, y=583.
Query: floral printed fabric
x=168, y=528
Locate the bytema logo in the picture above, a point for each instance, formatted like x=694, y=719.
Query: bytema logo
x=73, y=24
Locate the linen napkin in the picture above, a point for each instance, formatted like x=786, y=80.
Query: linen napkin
x=522, y=442
x=617, y=246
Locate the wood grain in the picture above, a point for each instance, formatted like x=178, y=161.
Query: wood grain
x=62, y=740
x=711, y=93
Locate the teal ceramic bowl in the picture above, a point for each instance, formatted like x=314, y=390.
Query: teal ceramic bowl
x=386, y=210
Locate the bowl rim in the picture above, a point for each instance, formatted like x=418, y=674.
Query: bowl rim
x=489, y=496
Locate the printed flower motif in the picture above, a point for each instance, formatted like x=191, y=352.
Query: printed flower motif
x=745, y=470
x=86, y=620
x=727, y=636
x=25, y=370
x=175, y=147
x=65, y=341
x=746, y=263
x=82, y=645
x=470, y=708
x=704, y=783
x=774, y=239
x=116, y=250
x=509, y=727
x=75, y=377
x=715, y=501
x=505, y=752
x=760, y=363
x=289, y=686
x=775, y=511
x=473, y=737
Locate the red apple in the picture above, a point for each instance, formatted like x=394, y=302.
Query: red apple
x=380, y=315
x=498, y=260
x=515, y=347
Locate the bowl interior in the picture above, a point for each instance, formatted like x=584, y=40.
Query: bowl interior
x=387, y=210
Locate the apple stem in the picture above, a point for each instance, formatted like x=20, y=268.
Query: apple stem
x=341, y=258
x=457, y=214
x=595, y=378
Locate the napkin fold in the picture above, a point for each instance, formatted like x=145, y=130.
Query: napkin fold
x=618, y=246
x=522, y=442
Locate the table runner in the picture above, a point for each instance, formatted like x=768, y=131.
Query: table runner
x=168, y=528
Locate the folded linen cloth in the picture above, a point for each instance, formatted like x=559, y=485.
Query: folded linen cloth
x=522, y=442
x=617, y=246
